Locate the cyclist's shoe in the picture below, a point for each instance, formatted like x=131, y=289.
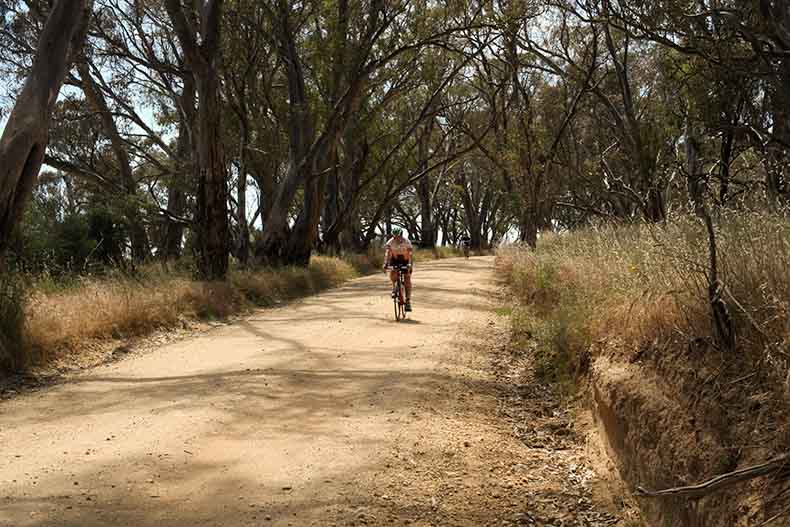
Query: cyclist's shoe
x=394, y=294
x=408, y=306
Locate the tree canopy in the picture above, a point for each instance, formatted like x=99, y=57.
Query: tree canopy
x=260, y=132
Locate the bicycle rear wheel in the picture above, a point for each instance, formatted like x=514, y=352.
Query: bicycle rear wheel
x=401, y=300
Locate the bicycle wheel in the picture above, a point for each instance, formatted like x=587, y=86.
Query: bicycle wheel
x=402, y=302
x=396, y=301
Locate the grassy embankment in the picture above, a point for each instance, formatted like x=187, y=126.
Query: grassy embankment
x=42, y=318
x=621, y=315
x=643, y=289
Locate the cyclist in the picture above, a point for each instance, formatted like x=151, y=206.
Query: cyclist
x=399, y=252
x=465, y=243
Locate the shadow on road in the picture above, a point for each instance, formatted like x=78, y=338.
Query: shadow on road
x=333, y=368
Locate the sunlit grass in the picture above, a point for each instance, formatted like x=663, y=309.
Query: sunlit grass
x=645, y=286
x=54, y=315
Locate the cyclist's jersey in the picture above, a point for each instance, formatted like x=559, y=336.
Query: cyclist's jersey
x=399, y=250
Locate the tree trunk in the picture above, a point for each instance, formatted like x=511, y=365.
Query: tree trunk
x=533, y=213
x=427, y=227
x=211, y=214
x=262, y=170
x=724, y=171
x=656, y=208
x=332, y=207
x=243, y=248
x=630, y=127
x=273, y=247
x=176, y=193
x=453, y=231
x=309, y=151
x=343, y=231
x=211, y=217
x=305, y=232
x=388, y=222
x=424, y=188
x=471, y=200
x=724, y=329
x=26, y=134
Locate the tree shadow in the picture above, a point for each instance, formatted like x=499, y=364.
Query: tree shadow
x=235, y=418
x=222, y=479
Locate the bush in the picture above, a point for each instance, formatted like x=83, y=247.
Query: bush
x=551, y=318
x=13, y=345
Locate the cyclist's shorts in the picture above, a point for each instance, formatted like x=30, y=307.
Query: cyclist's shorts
x=398, y=260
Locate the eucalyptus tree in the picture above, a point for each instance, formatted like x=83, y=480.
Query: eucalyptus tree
x=537, y=49
x=26, y=133
x=366, y=42
x=250, y=70
x=741, y=48
x=149, y=75
x=89, y=82
x=199, y=34
x=125, y=94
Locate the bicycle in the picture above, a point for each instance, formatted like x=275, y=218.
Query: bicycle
x=398, y=294
x=466, y=249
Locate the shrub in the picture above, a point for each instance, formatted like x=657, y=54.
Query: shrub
x=13, y=345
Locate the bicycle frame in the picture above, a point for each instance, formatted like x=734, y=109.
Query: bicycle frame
x=399, y=300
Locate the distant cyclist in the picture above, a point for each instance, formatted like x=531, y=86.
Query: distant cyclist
x=399, y=252
x=465, y=244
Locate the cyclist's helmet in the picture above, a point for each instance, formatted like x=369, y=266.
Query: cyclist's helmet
x=397, y=231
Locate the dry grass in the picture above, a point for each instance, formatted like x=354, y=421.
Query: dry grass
x=59, y=316
x=635, y=299
x=645, y=287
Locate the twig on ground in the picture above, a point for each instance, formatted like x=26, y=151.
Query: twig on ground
x=775, y=516
x=740, y=379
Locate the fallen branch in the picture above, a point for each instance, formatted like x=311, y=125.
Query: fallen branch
x=775, y=517
x=721, y=481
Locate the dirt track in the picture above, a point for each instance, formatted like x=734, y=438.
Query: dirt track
x=323, y=412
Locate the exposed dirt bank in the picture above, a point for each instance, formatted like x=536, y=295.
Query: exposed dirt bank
x=679, y=422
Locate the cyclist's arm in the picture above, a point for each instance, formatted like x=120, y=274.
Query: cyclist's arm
x=387, y=256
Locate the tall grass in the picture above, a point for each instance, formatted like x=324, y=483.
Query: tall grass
x=121, y=306
x=643, y=288
x=48, y=317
